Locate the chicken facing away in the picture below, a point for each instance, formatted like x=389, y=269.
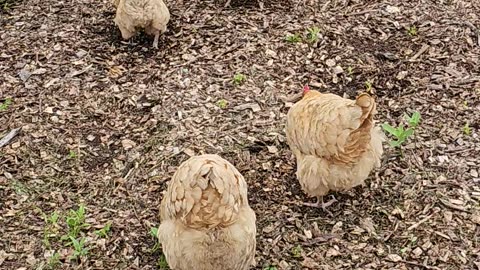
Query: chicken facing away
x=206, y=222
x=153, y=15
x=335, y=142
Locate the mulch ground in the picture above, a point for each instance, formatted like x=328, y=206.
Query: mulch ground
x=106, y=122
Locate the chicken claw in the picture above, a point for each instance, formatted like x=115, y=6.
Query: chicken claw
x=155, y=41
x=321, y=204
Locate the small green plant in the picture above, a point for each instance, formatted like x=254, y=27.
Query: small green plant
x=467, y=129
x=412, y=30
x=297, y=252
x=295, y=38
x=368, y=86
x=6, y=6
x=75, y=222
x=50, y=229
x=400, y=133
x=154, y=234
x=8, y=101
x=72, y=154
x=162, y=263
x=79, y=248
x=271, y=267
x=53, y=261
x=239, y=79
x=222, y=103
x=413, y=120
x=52, y=219
x=103, y=232
x=312, y=35
x=350, y=71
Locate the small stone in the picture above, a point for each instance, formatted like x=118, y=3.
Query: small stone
x=272, y=149
x=332, y=253
x=48, y=110
x=90, y=137
x=284, y=265
x=271, y=53
x=308, y=234
x=24, y=75
x=54, y=119
x=417, y=252
x=81, y=53
x=401, y=75
x=392, y=9
x=338, y=70
x=330, y=62
x=128, y=144
x=394, y=257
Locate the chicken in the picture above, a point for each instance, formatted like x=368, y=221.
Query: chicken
x=335, y=142
x=153, y=15
x=206, y=222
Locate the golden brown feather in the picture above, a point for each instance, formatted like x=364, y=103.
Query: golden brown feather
x=334, y=140
x=153, y=15
x=205, y=217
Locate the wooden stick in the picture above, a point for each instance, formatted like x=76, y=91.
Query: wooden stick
x=5, y=140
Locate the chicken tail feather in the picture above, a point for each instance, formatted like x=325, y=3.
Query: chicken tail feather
x=359, y=139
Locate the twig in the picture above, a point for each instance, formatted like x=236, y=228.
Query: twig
x=420, y=52
x=419, y=223
x=453, y=206
x=5, y=140
x=321, y=239
x=361, y=12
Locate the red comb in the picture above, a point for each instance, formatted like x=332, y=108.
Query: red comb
x=306, y=89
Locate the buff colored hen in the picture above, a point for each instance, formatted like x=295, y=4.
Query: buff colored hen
x=335, y=142
x=153, y=15
x=206, y=222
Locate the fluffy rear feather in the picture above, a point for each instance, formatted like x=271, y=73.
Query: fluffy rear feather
x=334, y=140
x=206, y=217
x=153, y=15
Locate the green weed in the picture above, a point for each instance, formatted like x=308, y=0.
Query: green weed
x=350, y=71
x=75, y=222
x=239, y=79
x=162, y=263
x=467, y=129
x=8, y=101
x=79, y=248
x=368, y=86
x=53, y=261
x=413, y=120
x=154, y=234
x=50, y=229
x=222, y=103
x=312, y=35
x=295, y=38
x=401, y=134
x=297, y=252
x=72, y=154
x=412, y=30
x=103, y=232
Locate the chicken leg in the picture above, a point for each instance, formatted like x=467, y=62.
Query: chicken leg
x=155, y=40
x=321, y=204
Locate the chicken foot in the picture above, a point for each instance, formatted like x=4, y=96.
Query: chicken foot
x=321, y=203
x=155, y=40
